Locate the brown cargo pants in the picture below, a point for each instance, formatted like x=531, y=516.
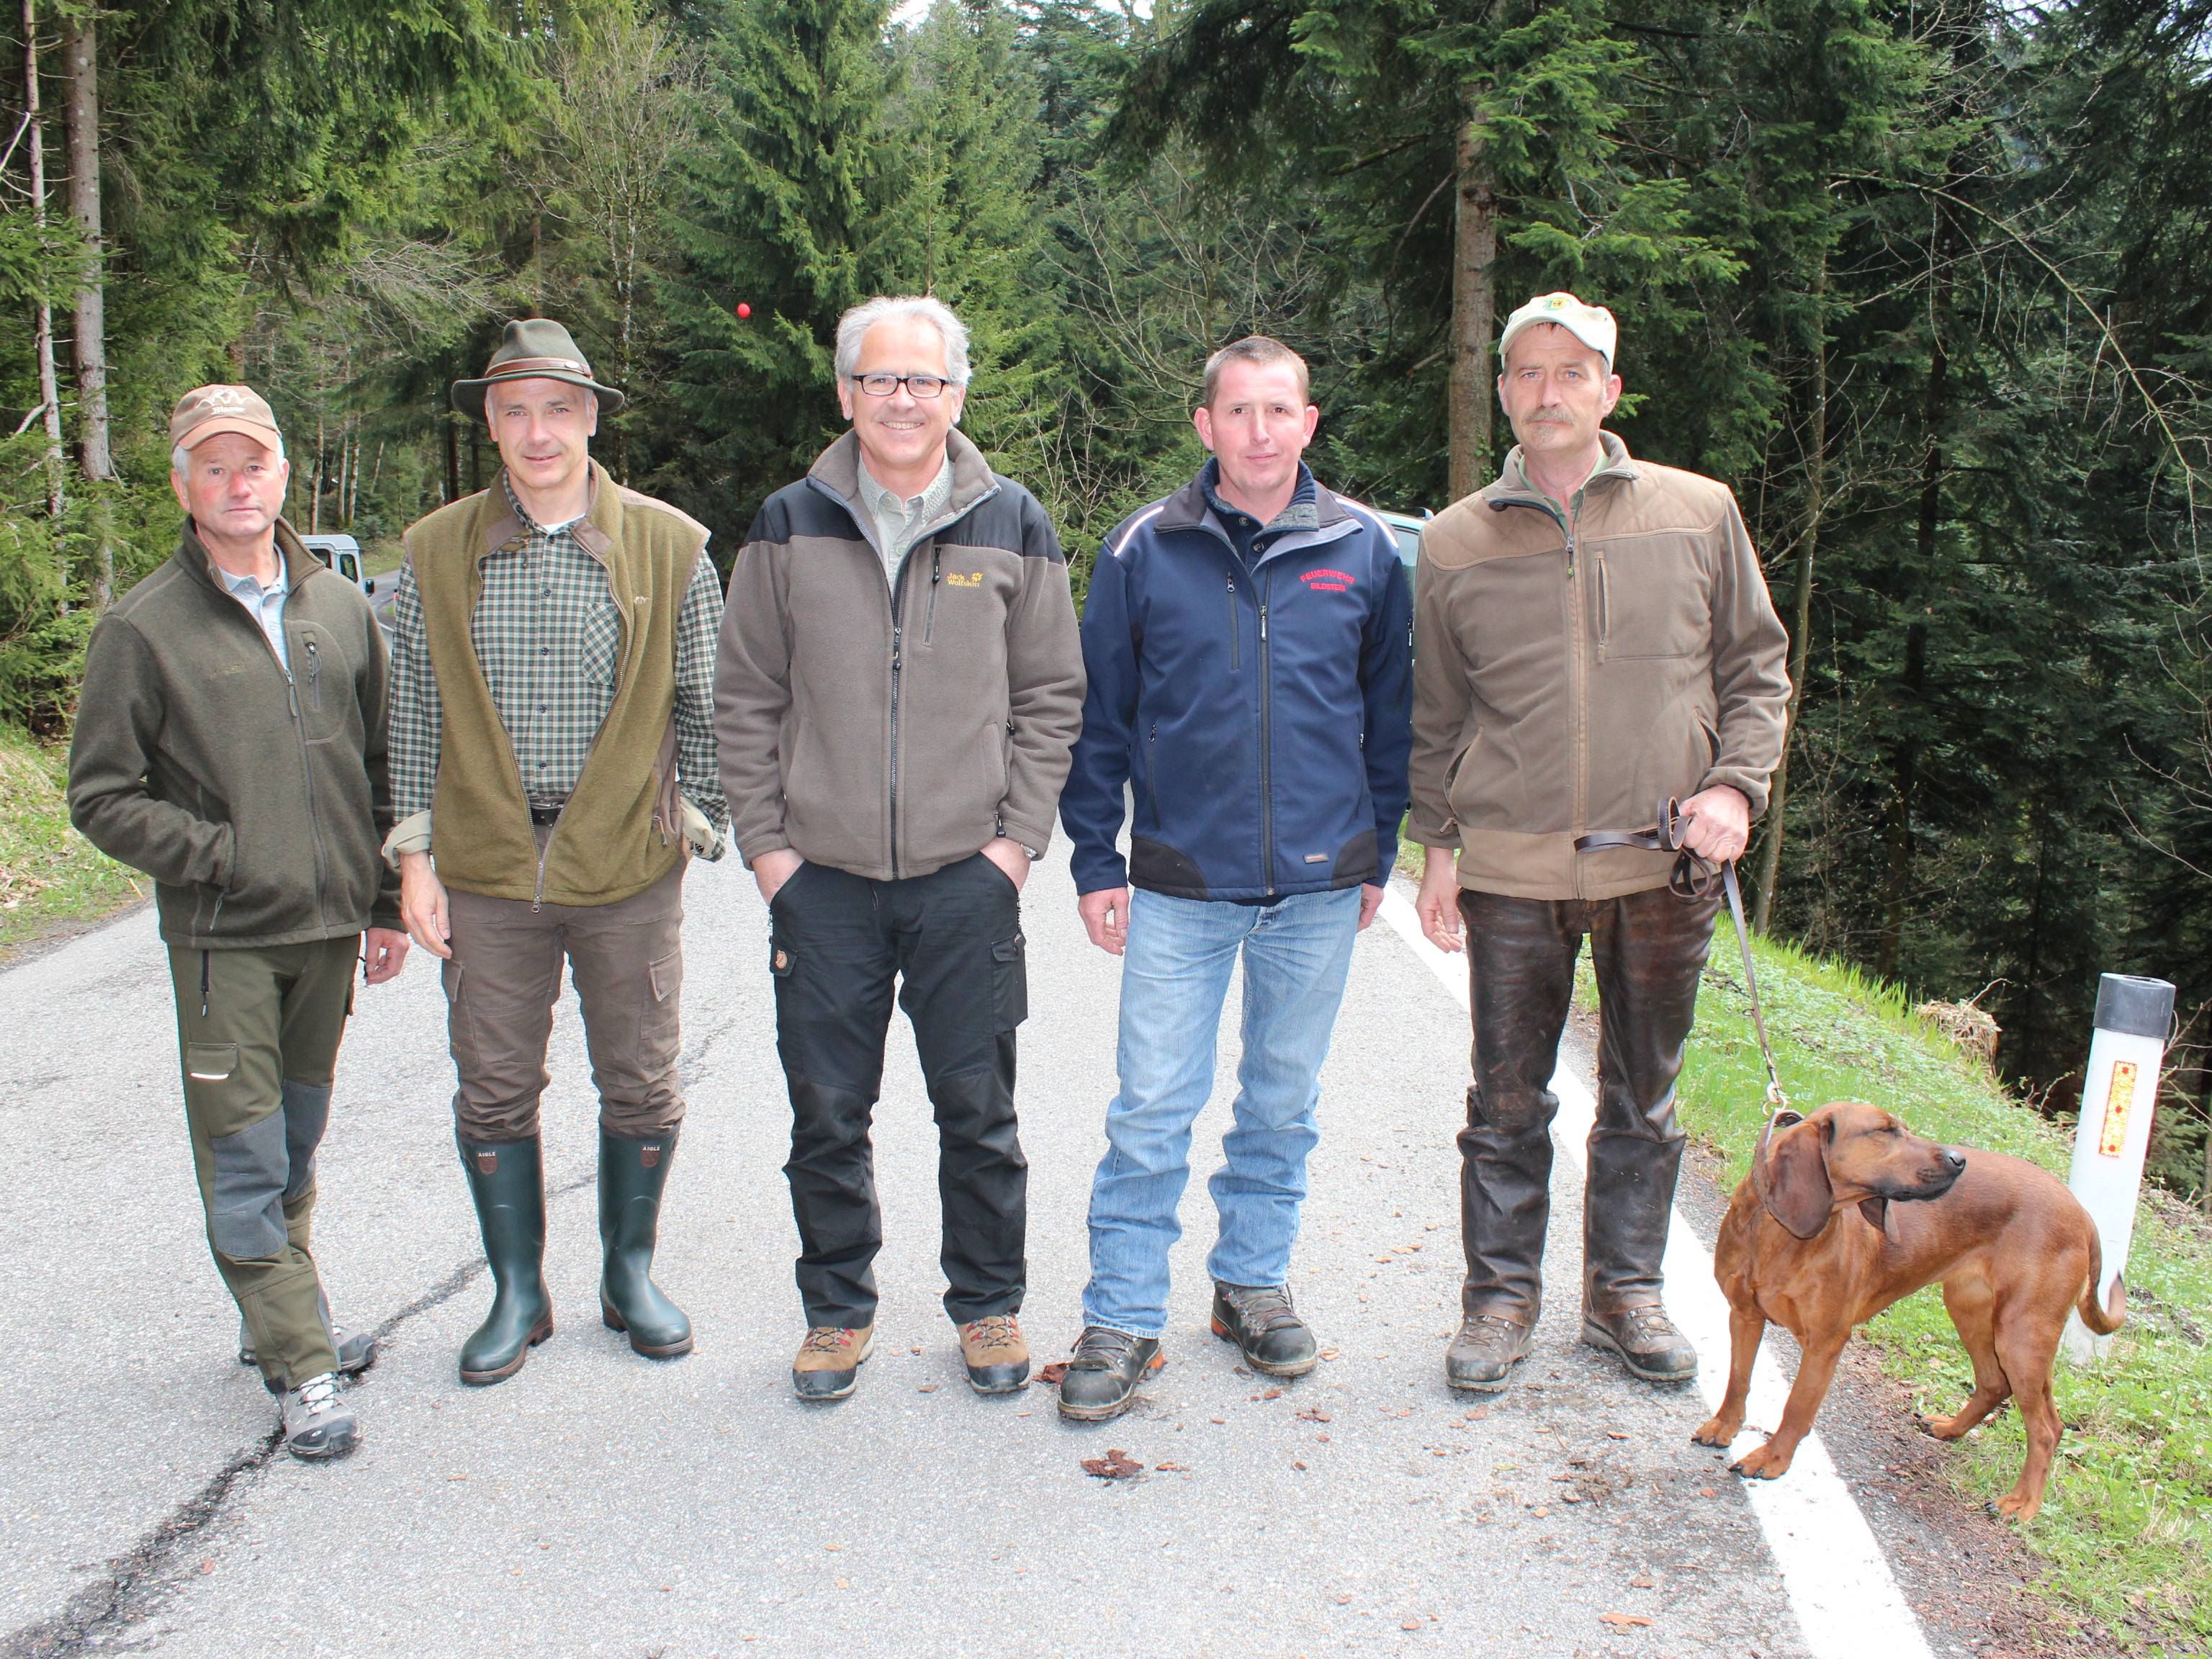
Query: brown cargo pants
x=504, y=976
x=258, y=1029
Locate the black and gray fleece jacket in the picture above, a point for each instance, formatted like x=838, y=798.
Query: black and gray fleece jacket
x=891, y=728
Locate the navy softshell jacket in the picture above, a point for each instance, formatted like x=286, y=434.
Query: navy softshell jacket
x=1261, y=717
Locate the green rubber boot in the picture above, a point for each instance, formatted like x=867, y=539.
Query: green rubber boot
x=631, y=1175
x=508, y=1182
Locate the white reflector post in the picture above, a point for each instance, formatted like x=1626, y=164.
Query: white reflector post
x=2118, y=1093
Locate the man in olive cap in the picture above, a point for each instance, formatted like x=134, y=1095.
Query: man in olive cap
x=553, y=764
x=230, y=743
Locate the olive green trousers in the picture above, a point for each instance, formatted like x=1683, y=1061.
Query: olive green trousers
x=258, y=1029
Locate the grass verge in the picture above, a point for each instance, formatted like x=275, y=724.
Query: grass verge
x=49, y=876
x=2126, y=1527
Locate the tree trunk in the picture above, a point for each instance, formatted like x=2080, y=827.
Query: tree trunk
x=451, y=425
x=42, y=314
x=1801, y=618
x=1474, y=310
x=81, y=80
x=315, y=485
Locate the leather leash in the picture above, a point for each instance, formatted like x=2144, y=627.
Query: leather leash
x=1693, y=877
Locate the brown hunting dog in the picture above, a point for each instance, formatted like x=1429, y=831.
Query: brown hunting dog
x=1850, y=1210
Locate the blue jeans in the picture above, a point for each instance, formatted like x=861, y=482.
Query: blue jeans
x=1174, y=979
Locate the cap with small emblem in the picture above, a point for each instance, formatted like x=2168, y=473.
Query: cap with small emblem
x=1594, y=325
x=209, y=412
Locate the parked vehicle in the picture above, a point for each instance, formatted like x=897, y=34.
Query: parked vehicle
x=1407, y=527
x=343, y=554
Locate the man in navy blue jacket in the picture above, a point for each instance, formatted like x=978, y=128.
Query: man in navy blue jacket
x=1247, y=645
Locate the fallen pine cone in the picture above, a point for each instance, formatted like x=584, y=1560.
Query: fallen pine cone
x=1114, y=1465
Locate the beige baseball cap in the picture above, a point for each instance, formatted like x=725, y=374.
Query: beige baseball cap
x=208, y=411
x=1592, y=325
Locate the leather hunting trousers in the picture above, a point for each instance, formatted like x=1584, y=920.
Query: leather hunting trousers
x=1649, y=950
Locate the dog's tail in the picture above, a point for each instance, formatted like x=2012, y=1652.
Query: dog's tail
x=2104, y=1320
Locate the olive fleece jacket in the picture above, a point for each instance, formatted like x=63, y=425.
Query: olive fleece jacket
x=256, y=798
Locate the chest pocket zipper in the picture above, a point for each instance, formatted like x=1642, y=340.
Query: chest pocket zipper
x=314, y=676
x=1235, y=631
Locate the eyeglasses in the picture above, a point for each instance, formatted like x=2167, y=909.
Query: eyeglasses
x=920, y=385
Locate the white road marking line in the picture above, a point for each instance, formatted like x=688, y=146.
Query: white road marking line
x=1838, y=1582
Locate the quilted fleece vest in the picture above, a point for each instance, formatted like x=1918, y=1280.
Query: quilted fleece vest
x=621, y=830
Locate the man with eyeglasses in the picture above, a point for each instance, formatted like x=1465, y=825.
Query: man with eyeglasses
x=899, y=687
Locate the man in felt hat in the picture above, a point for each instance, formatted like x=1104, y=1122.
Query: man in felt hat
x=1593, y=635
x=230, y=743
x=552, y=765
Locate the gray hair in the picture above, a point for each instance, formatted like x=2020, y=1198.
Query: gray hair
x=180, y=459
x=854, y=325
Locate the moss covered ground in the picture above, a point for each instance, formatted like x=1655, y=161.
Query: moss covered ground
x=51, y=878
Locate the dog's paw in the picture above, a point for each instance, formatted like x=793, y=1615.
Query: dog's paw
x=2016, y=1505
x=1942, y=1428
x=1768, y=1463
x=1717, y=1431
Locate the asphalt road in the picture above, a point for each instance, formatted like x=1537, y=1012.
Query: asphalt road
x=602, y=1503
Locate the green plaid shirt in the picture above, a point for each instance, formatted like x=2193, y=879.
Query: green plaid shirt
x=547, y=634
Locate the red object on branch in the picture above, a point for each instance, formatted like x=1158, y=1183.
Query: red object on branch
x=744, y=310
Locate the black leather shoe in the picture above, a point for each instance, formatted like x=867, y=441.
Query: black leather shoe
x=1260, y=1321
x=1101, y=1381
x=1646, y=1340
x=1488, y=1346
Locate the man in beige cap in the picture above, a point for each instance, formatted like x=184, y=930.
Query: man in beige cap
x=230, y=743
x=552, y=758
x=1593, y=636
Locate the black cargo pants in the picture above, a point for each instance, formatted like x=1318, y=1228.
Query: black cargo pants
x=952, y=942
x=1649, y=950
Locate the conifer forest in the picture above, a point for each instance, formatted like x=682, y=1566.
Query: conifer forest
x=1928, y=282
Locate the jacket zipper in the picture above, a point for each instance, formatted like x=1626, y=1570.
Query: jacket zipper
x=1578, y=709
x=1152, y=770
x=1234, y=626
x=308, y=778
x=936, y=575
x=621, y=657
x=314, y=676
x=1266, y=718
x=1604, y=606
x=307, y=769
x=898, y=588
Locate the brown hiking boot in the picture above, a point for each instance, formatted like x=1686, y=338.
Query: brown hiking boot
x=829, y=1360
x=1646, y=1340
x=996, y=1354
x=1488, y=1346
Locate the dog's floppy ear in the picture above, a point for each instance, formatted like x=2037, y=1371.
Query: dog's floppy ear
x=1795, y=1188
